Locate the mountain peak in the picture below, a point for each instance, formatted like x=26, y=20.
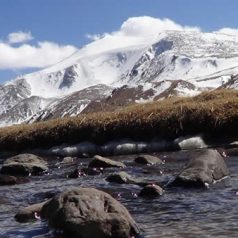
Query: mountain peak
x=164, y=64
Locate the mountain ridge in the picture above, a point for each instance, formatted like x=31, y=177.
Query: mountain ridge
x=182, y=63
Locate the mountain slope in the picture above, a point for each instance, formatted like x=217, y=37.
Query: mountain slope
x=172, y=63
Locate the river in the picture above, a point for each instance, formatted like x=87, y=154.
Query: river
x=178, y=213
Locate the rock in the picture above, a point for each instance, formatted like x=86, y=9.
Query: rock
x=29, y=213
x=88, y=212
x=123, y=177
x=232, y=152
x=85, y=171
x=7, y=180
x=206, y=167
x=101, y=162
x=151, y=190
x=76, y=174
x=67, y=160
x=92, y=171
x=25, y=158
x=148, y=159
x=24, y=164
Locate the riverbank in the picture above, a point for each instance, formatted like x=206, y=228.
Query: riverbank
x=211, y=114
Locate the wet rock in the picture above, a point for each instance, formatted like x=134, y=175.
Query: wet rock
x=24, y=164
x=7, y=180
x=206, y=167
x=101, y=162
x=232, y=152
x=76, y=174
x=151, y=190
x=92, y=171
x=88, y=212
x=148, y=160
x=29, y=213
x=67, y=160
x=123, y=177
x=85, y=171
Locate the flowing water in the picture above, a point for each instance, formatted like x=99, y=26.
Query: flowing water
x=178, y=213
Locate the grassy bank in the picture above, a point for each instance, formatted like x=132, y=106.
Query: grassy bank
x=212, y=113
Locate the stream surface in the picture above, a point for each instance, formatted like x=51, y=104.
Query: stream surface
x=178, y=213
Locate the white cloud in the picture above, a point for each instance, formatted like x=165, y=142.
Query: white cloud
x=146, y=26
x=228, y=31
x=28, y=56
x=19, y=37
x=93, y=37
x=134, y=31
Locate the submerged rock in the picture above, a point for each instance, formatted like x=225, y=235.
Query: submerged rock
x=85, y=171
x=92, y=171
x=24, y=164
x=206, y=167
x=148, y=160
x=7, y=180
x=76, y=174
x=29, y=213
x=151, y=190
x=101, y=162
x=123, y=177
x=88, y=212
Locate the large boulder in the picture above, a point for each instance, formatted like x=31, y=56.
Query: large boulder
x=207, y=167
x=88, y=212
x=99, y=161
x=24, y=164
x=148, y=160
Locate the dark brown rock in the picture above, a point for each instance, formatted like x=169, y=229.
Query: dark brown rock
x=7, y=180
x=88, y=212
x=24, y=165
x=148, y=160
x=76, y=174
x=101, y=162
x=29, y=213
x=124, y=178
x=206, y=167
x=92, y=171
x=151, y=190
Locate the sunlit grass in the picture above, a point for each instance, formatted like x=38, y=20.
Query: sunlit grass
x=211, y=113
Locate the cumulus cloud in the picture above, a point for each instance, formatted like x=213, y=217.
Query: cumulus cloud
x=33, y=56
x=19, y=37
x=228, y=31
x=147, y=26
x=144, y=27
x=134, y=31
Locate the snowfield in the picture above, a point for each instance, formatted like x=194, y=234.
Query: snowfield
x=171, y=63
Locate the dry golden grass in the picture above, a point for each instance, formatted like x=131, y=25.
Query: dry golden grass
x=211, y=113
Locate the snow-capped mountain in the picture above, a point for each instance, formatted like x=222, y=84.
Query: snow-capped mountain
x=152, y=68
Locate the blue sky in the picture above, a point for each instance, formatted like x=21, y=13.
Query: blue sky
x=63, y=24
